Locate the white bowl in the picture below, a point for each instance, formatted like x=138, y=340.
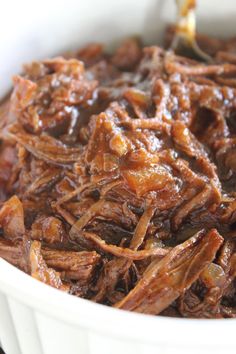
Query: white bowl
x=35, y=318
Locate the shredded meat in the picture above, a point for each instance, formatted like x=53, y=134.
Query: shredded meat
x=163, y=281
x=118, y=174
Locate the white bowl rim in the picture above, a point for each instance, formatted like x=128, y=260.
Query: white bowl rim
x=110, y=321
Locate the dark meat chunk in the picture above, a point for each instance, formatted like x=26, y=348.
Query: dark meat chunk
x=48, y=229
x=14, y=254
x=128, y=54
x=72, y=265
x=12, y=218
x=8, y=159
x=40, y=270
